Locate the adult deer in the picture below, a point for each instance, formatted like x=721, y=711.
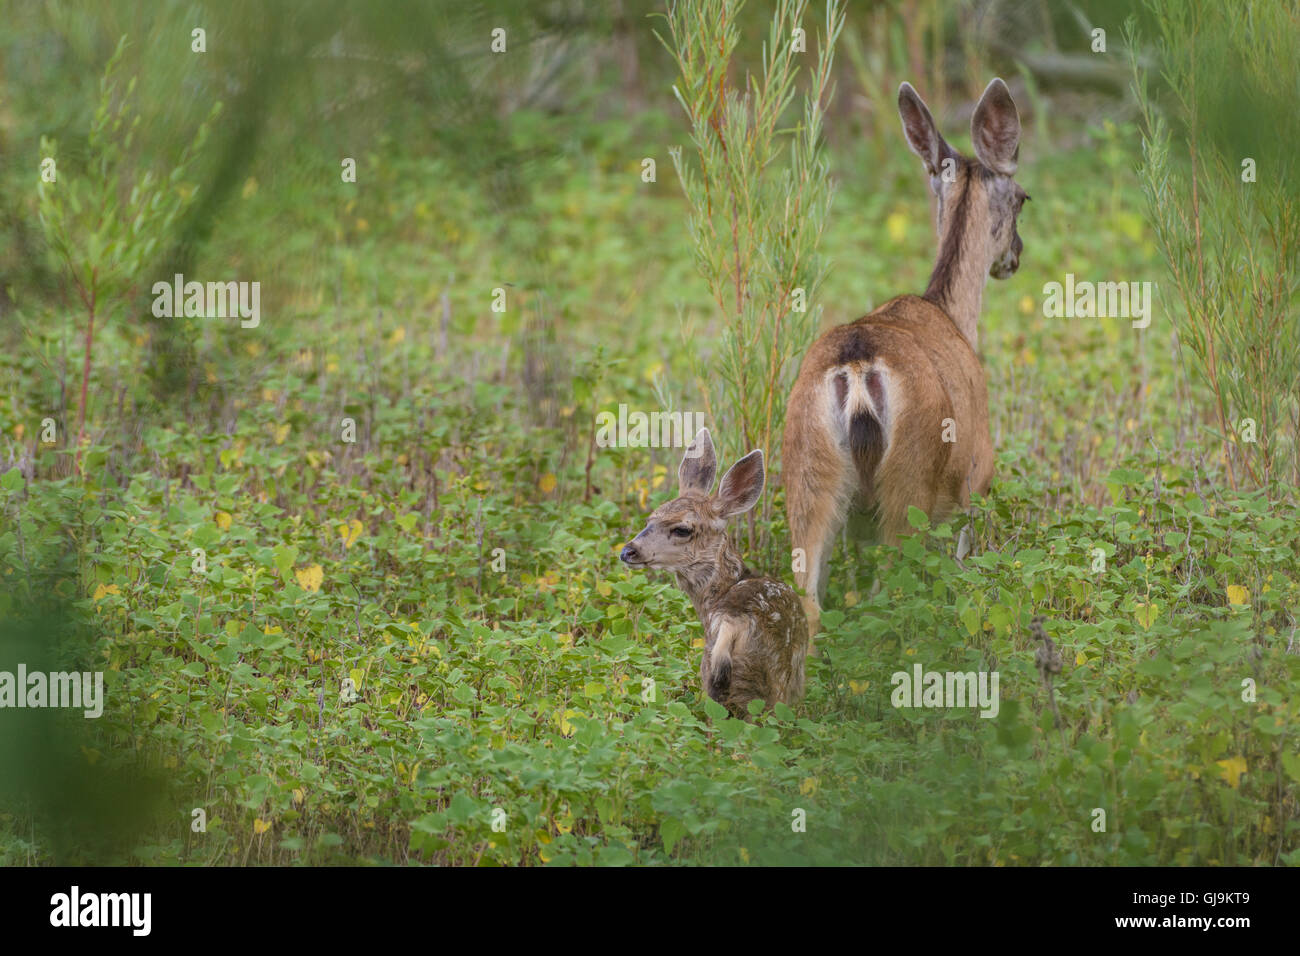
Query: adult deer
x=891, y=411
x=755, y=636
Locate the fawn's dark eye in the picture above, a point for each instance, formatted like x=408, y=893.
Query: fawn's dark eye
x=681, y=531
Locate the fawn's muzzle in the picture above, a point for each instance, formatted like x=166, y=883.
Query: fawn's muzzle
x=630, y=555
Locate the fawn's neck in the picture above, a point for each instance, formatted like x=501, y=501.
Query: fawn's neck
x=708, y=580
x=965, y=256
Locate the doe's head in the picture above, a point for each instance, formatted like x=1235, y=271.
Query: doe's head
x=692, y=528
x=966, y=188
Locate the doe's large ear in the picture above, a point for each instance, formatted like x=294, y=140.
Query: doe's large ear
x=742, y=485
x=698, y=466
x=918, y=126
x=995, y=129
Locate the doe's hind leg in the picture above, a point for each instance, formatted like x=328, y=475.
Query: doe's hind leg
x=815, y=516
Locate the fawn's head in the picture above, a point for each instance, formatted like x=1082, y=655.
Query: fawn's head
x=971, y=193
x=691, y=529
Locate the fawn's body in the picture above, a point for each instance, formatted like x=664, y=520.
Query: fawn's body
x=755, y=640
x=755, y=632
x=891, y=411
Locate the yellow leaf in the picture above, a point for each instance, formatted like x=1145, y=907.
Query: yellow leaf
x=603, y=589
x=298, y=796
x=18, y=431
x=281, y=433
x=310, y=577
x=260, y=826
x=399, y=335
x=105, y=589
x=698, y=643
x=896, y=226
x=250, y=187
x=1231, y=770
x=744, y=855
x=808, y=787
x=546, y=483
x=1131, y=225
x=567, y=729
x=223, y=520
x=851, y=598
x=1146, y=614
x=1027, y=305
x=1238, y=595
x=350, y=532
x=859, y=686
x=1080, y=659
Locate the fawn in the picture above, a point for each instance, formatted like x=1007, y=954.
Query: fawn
x=755, y=633
x=891, y=410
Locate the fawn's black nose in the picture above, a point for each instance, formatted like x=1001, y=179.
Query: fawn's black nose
x=630, y=555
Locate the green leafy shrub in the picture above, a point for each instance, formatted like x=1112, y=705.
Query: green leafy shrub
x=105, y=221
x=1228, y=218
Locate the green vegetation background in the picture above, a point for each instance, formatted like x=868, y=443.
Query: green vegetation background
x=562, y=690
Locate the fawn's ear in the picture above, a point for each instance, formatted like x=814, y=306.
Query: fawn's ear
x=918, y=126
x=995, y=129
x=698, y=467
x=742, y=485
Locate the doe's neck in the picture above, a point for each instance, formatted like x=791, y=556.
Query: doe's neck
x=965, y=256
